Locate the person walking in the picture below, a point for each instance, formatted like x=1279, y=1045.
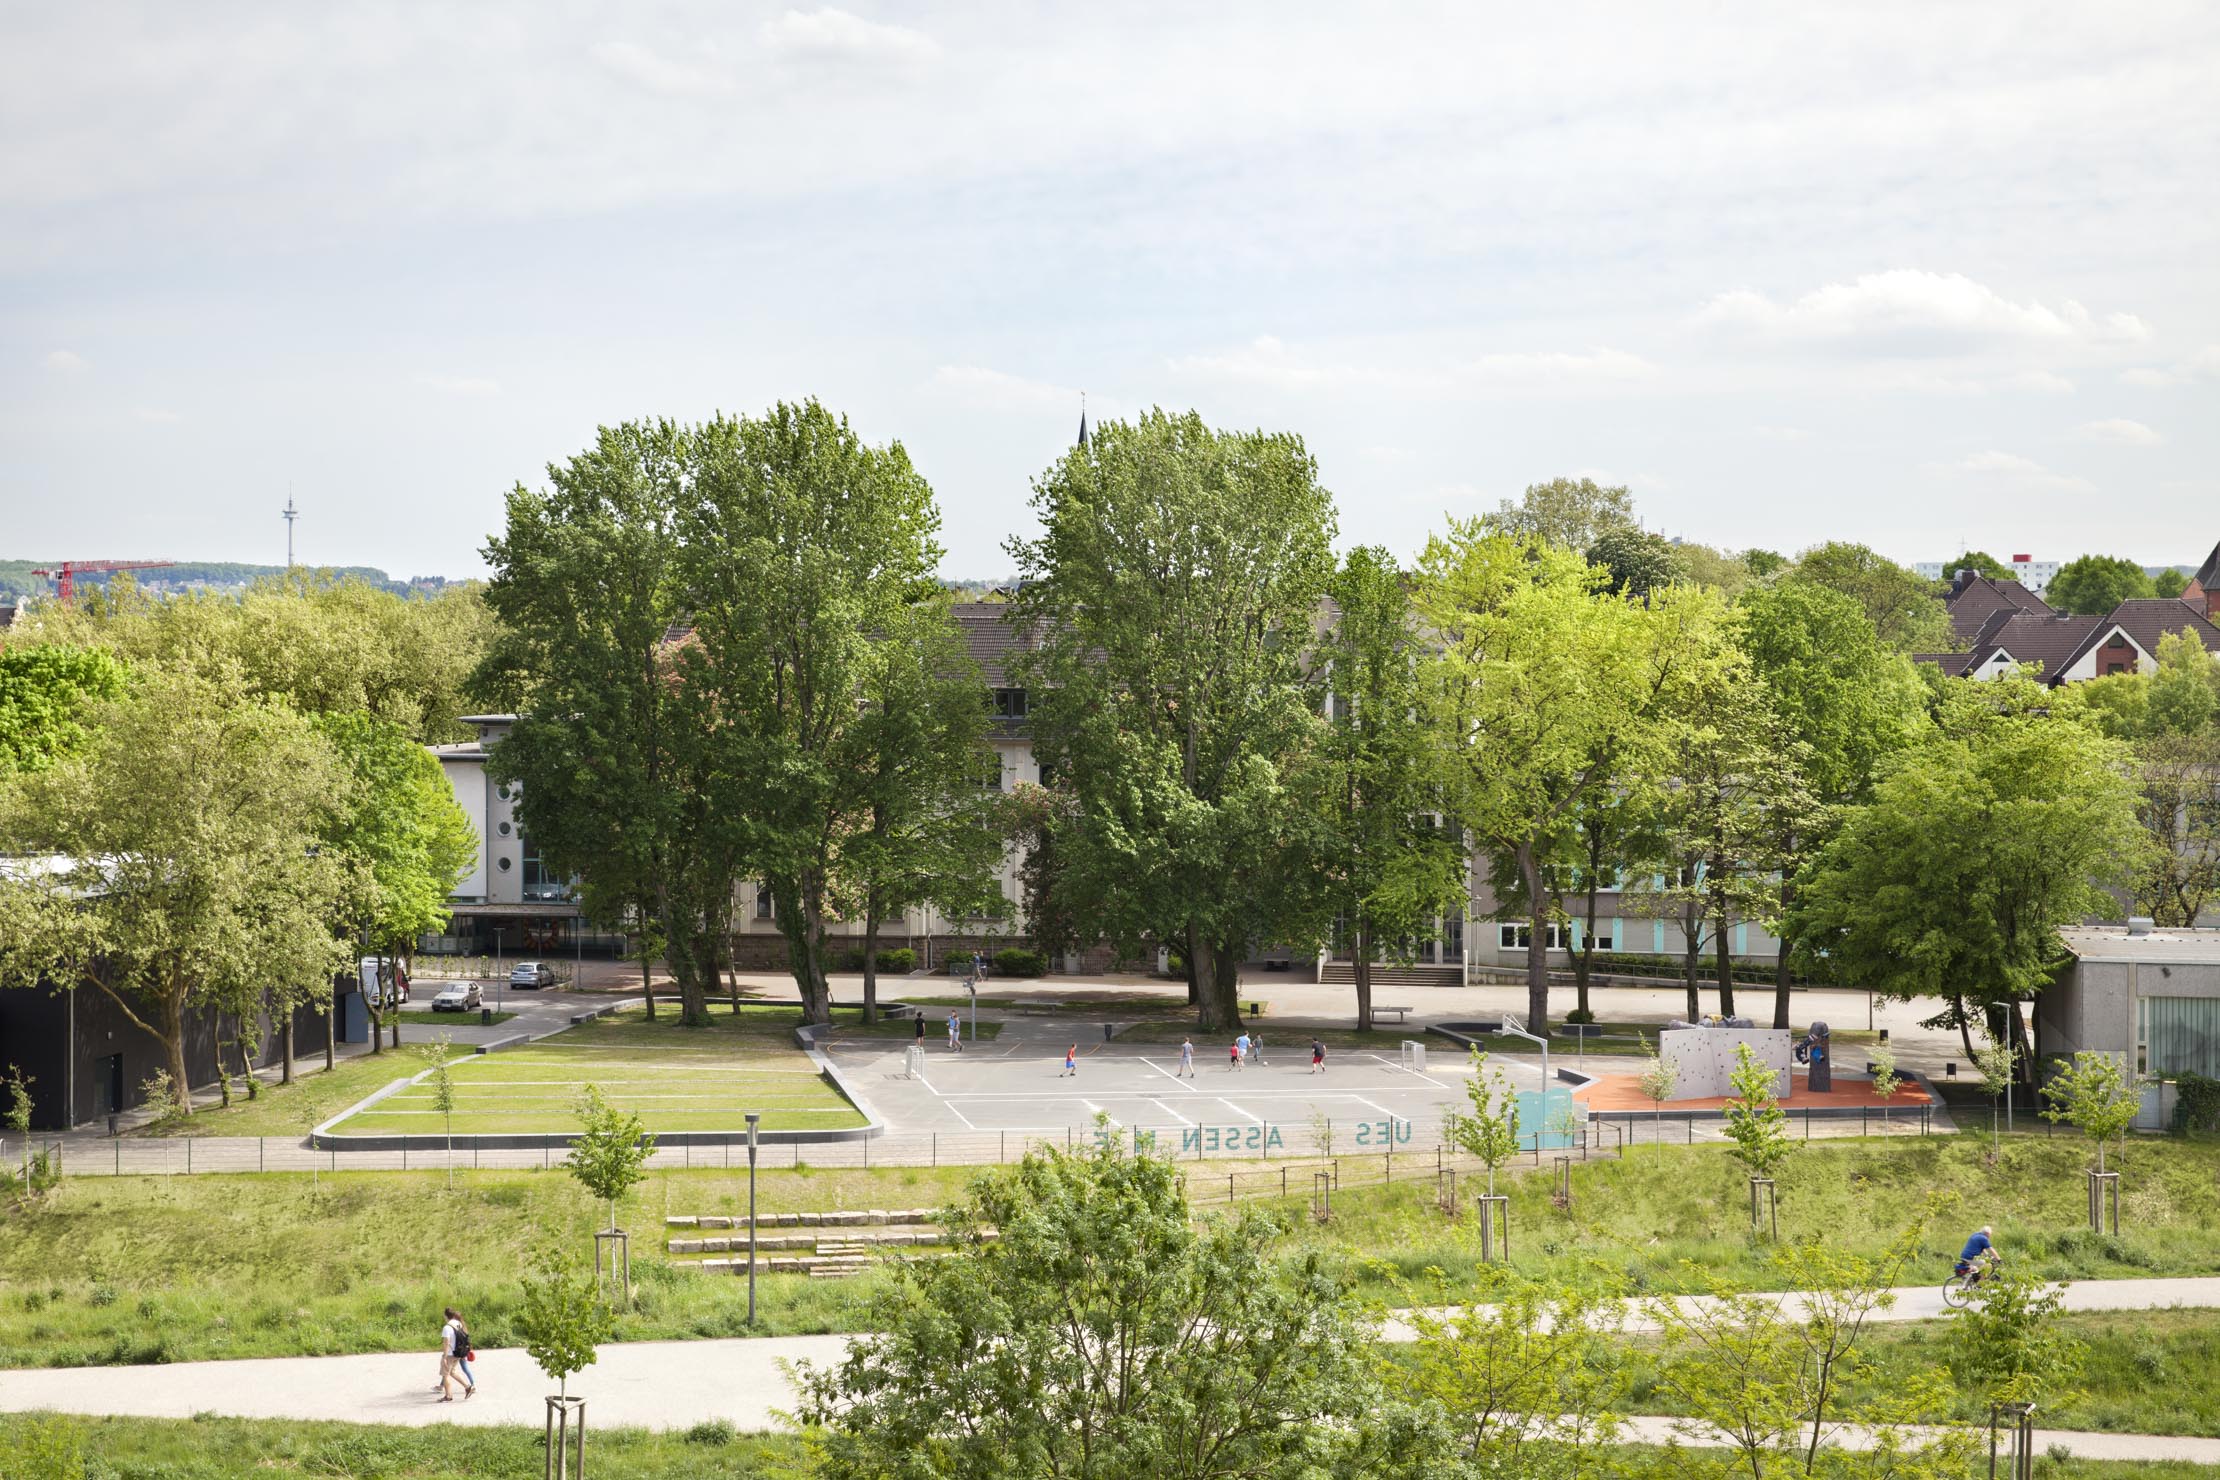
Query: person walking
x=450, y=1334
x=1071, y=1062
x=1242, y=1043
x=1317, y=1056
x=1233, y=1056
x=1186, y=1058
x=1256, y=1049
x=464, y=1351
x=921, y=1028
x=955, y=1034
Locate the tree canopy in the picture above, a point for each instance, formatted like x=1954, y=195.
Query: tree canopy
x=46, y=690
x=2094, y=584
x=1902, y=607
x=1570, y=513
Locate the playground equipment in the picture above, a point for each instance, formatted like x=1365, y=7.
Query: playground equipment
x=1812, y=1050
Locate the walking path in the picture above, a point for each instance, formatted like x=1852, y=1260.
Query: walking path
x=675, y=1384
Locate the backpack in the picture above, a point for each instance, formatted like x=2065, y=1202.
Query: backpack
x=462, y=1345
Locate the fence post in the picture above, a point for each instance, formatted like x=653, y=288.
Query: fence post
x=189, y=1154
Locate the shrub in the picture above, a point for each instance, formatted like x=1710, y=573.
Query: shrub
x=1175, y=965
x=897, y=962
x=2196, y=1103
x=849, y=960
x=715, y=1431
x=1011, y=961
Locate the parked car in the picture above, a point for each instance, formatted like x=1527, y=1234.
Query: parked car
x=457, y=997
x=532, y=974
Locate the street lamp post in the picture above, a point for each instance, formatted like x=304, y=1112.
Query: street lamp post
x=754, y=1117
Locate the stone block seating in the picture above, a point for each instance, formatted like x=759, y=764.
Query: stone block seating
x=1704, y=1058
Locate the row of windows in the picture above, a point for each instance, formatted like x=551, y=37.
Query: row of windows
x=1518, y=937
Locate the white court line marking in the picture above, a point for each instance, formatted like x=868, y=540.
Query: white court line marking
x=1094, y=1109
x=1387, y=1063
x=1384, y=1110
x=952, y=1110
x=1236, y=1109
x=1168, y=1110
x=1174, y=1078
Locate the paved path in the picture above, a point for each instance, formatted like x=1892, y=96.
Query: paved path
x=674, y=1384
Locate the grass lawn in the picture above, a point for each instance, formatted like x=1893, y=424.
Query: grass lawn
x=224, y=1448
x=289, y=1110
x=674, y=1078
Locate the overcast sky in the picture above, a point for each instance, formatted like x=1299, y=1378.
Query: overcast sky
x=1912, y=275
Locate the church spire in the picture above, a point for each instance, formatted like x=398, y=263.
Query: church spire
x=1082, y=442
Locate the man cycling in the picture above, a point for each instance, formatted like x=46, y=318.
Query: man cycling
x=1981, y=1246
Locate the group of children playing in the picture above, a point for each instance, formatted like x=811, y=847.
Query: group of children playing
x=1243, y=1051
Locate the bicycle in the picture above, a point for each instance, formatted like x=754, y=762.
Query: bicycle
x=1957, y=1291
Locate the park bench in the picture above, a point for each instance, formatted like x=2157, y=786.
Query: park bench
x=1401, y=1013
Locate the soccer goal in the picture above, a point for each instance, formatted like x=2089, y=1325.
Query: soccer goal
x=915, y=1064
x=1414, y=1056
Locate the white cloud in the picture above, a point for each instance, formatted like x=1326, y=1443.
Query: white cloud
x=1266, y=360
x=2122, y=431
x=156, y=415
x=460, y=385
x=1908, y=303
x=646, y=68
x=67, y=362
x=2204, y=362
x=2011, y=467
x=999, y=391
x=834, y=37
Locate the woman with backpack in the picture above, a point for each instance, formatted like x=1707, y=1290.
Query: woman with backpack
x=454, y=1357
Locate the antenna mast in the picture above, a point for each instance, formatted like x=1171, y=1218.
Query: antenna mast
x=291, y=514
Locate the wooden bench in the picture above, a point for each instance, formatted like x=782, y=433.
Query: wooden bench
x=1401, y=1013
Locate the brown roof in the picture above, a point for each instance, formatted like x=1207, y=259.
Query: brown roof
x=2051, y=641
x=2208, y=574
x=2145, y=621
x=1952, y=664
x=1973, y=602
x=993, y=640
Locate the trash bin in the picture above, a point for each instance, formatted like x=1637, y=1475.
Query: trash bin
x=485, y=1017
x=1109, y=1031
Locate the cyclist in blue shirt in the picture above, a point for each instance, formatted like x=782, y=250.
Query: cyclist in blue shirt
x=1981, y=1245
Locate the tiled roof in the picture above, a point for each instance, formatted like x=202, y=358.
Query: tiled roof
x=2146, y=621
x=2051, y=641
x=2208, y=574
x=1974, y=602
x=993, y=640
x=1952, y=664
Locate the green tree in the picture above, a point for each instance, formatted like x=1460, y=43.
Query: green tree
x=2170, y=582
x=1901, y=606
x=45, y=693
x=1100, y=1333
x=1980, y=562
x=2007, y=1341
x=609, y=1155
x=403, y=841
x=2180, y=812
x=623, y=782
x=2094, y=584
x=1637, y=561
x=1722, y=570
x=1570, y=513
x=563, y=1318
x=805, y=551
x=1490, y=1133
x=1656, y=1079
x=1389, y=871
x=2093, y=1095
x=1755, y=1122
x=2006, y=824
x=1765, y=564
x=924, y=833
x=195, y=882
x=2185, y=692
x=434, y=1056
x=1613, y=830
x=1996, y=1063
x=1173, y=590
x=1542, y=693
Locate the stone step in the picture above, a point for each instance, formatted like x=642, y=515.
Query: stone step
x=767, y=1243
x=844, y=1218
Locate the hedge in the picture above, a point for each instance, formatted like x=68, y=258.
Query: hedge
x=894, y=963
x=1011, y=961
x=1632, y=963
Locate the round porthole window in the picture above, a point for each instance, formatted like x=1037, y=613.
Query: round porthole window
x=504, y=865
x=501, y=792
x=504, y=829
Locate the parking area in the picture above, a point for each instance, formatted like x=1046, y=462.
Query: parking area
x=1018, y=1084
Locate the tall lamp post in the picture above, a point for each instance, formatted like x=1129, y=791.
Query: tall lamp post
x=754, y=1117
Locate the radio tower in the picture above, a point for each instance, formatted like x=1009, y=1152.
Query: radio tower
x=291, y=514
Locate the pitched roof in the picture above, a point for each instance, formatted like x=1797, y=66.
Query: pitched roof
x=1972, y=602
x=993, y=639
x=2208, y=574
x=2052, y=640
x=2145, y=620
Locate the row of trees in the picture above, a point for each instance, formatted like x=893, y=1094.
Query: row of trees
x=214, y=803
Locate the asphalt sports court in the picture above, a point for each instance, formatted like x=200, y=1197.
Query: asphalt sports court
x=1020, y=1087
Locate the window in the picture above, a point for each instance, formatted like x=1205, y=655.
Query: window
x=1603, y=940
x=539, y=882
x=503, y=829
x=1009, y=703
x=1518, y=937
x=990, y=773
x=2181, y=1035
x=763, y=901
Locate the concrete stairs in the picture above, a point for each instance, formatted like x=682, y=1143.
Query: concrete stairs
x=1388, y=978
x=821, y=1245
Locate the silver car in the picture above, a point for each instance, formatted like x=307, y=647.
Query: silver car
x=532, y=974
x=457, y=997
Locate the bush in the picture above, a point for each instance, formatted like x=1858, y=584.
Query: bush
x=2196, y=1103
x=1011, y=961
x=898, y=962
x=715, y=1431
x=1636, y=963
x=1175, y=965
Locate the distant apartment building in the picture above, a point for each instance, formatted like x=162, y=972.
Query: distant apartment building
x=2031, y=573
x=511, y=902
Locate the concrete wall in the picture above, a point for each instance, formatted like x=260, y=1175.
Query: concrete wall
x=1705, y=1057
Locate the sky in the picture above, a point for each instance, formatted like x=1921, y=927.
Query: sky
x=1922, y=275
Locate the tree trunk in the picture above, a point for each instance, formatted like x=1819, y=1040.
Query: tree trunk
x=1537, y=943
x=331, y=1027
x=805, y=945
x=1722, y=944
x=1584, y=962
x=1361, y=969
x=1780, y=960
x=223, y=1072
x=173, y=1045
x=1216, y=983
x=871, y=963
x=1965, y=1025
x=647, y=977
x=732, y=969
x=285, y=1075
x=1691, y=964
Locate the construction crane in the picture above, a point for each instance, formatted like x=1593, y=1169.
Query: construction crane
x=65, y=575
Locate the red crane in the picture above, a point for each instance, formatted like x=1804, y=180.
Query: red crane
x=65, y=575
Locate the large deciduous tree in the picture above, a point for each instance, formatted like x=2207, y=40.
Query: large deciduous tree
x=1570, y=513
x=1390, y=868
x=45, y=692
x=2094, y=584
x=808, y=553
x=2008, y=822
x=1542, y=690
x=190, y=875
x=1174, y=589
x=1844, y=699
x=613, y=746
x=1902, y=607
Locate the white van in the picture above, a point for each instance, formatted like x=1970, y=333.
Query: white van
x=380, y=993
